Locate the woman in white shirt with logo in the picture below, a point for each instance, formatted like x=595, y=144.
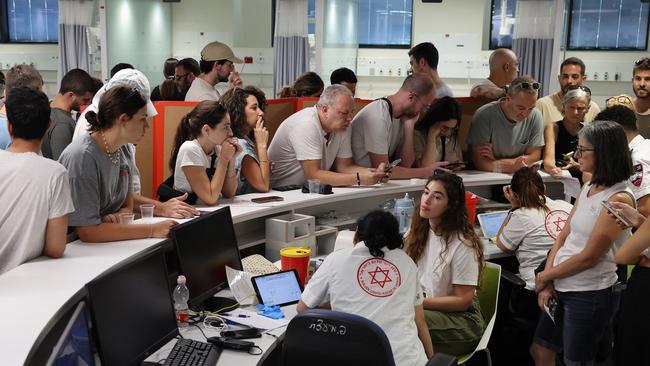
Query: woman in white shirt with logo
x=377, y=280
x=580, y=272
x=449, y=256
x=199, y=137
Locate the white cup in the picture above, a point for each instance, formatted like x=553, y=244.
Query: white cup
x=314, y=186
x=146, y=211
x=126, y=218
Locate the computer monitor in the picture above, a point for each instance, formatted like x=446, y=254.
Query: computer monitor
x=205, y=246
x=132, y=311
x=74, y=347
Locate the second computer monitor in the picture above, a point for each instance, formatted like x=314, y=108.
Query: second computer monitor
x=205, y=246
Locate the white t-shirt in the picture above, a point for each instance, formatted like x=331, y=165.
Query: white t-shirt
x=201, y=90
x=375, y=130
x=457, y=266
x=587, y=210
x=33, y=189
x=190, y=154
x=531, y=232
x=301, y=137
x=639, y=181
x=383, y=290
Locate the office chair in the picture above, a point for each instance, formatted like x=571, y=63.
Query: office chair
x=324, y=337
x=487, y=294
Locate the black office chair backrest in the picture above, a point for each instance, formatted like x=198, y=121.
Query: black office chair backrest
x=324, y=337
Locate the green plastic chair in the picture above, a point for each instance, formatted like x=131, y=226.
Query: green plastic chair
x=487, y=294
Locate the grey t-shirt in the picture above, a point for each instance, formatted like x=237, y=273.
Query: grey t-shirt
x=98, y=185
x=508, y=139
x=59, y=135
x=443, y=90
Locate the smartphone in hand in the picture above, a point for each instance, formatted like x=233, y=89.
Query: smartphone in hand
x=455, y=166
x=615, y=212
x=390, y=166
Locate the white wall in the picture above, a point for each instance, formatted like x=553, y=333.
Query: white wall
x=45, y=57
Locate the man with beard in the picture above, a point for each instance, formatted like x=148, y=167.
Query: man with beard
x=217, y=65
x=572, y=72
x=75, y=91
x=640, y=85
x=383, y=129
x=185, y=72
x=508, y=134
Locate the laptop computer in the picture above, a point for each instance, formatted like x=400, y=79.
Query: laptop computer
x=491, y=223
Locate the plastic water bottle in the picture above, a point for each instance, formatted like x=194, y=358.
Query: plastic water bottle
x=403, y=210
x=181, y=295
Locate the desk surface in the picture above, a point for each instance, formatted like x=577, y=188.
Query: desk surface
x=34, y=295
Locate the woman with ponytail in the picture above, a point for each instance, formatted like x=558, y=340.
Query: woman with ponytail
x=377, y=280
x=449, y=256
x=100, y=169
x=203, y=158
x=532, y=225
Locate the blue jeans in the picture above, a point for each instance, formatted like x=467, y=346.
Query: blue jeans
x=583, y=324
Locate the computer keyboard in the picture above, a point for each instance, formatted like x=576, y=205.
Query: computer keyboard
x=187, y=352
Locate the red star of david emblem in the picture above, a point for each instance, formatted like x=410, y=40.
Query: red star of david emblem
x=558, y=222
x=376, y=281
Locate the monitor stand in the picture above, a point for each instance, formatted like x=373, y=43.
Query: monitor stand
x=222, y=304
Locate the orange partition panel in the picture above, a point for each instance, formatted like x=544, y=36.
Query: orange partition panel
x=277, y=111
x=468, y=107
x=143, y=161
x=164, y=130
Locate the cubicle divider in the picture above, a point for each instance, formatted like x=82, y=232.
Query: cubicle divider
x=155, y=148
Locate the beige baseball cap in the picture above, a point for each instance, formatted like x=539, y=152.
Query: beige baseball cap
x=216, y=51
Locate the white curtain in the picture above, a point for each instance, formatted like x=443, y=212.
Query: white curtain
x=533, y=39
x=75, y=16
x=339, y=42
x=290, y=43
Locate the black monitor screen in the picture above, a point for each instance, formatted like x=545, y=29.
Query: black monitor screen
x=132, y=310
x=74, y=347
x=205, y=246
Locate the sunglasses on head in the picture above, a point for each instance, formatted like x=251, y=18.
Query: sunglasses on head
x=642, y=61
x=526, y=85
x=581, y=87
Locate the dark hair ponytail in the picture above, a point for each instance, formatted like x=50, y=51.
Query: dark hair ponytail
x=529, y=187
x=379, y=229
x=113, y=103
x=168, y=89
x=208, y=112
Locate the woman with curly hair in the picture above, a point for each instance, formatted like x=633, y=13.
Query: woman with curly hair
x=246, y=109
x=449, y=256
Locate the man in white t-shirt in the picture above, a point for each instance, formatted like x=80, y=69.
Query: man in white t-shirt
x=314, y=143
x=34, y=191
x=504, y=68
x=639, y=181
x=383, y=129
x=572, y=72
x=217, y=66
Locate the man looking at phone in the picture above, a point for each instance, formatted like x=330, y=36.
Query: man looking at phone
x=314, y=143
x=217, y=66
x=508, y=134
x=383, y=129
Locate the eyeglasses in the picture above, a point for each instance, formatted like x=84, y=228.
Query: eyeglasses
x=179, y=77
x=579, y=87
x=579, y=151
x=642, y=61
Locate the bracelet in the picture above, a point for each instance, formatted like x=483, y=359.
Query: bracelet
x=264, y=161
x=358, y=179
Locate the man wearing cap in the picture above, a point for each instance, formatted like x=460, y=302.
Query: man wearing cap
x=217, y=65
x=137, y=80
